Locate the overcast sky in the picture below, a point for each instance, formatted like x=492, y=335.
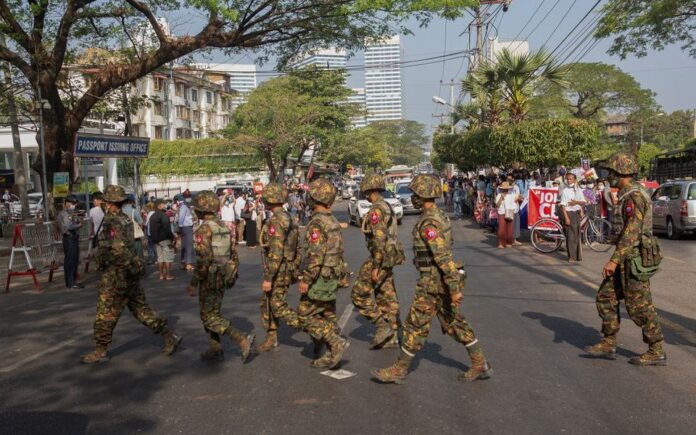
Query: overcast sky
x=669, y=73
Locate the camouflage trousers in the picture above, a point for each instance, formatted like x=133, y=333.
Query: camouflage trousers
x=277, y=301
x=431, y=299
x=638, y=300
x=376, y=300
x=117, y=291
x=318, y=319
x=209, y=304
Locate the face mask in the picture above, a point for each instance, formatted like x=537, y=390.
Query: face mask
x=417, y=201
x=613, y=180
x=590, y=186
x=570, y=184
x=600, y=186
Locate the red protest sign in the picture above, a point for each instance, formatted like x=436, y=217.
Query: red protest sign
x=542, y=205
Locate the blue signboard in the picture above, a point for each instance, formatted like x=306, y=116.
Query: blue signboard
x=101, y=145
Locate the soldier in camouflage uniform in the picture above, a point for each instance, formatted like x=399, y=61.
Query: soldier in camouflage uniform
x=215, y=270
x=324, y=273
x=120, y=281
x=438, y=291
x=374, y=294
x=280, y=243
x=631, y=223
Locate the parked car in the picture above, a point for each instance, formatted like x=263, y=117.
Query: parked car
x=35, y=204
x=674, y=207
x=404, y=193
x=358, y=207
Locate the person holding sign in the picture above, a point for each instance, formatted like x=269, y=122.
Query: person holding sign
x=572, y=202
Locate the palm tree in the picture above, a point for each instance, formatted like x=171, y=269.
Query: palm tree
x=507, y=85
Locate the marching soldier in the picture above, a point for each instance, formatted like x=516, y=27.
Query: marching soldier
x=216, y=270
x=324, y=273
x=374, y=294
x=280, y=242
x=120, y=281
x=627, y=274
x=438, y=290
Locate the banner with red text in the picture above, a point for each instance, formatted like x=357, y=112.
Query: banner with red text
x=542, y=205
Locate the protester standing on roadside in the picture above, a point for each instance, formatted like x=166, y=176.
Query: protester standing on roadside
x=239, y=205
x=138, y=234
x=572, y=202
x=227, y=212
x=185, y=225
x=163, y=238
x=505, y=203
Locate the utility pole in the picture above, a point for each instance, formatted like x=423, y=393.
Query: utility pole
x=479, y=21
x=20, y=174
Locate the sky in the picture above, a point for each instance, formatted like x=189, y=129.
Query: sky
x=669, y=73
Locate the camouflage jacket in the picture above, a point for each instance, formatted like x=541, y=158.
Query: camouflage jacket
x=323, y=248
x=205, y=255
x=432, y=246
x=115, y=243
x=376, y=230
x=632, y=215
x=278, y=235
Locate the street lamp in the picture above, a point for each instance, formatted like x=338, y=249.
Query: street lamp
x=43, y=104
x=642, y=121
x=442, y=102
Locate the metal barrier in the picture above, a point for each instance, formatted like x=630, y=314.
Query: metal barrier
x=38, y=248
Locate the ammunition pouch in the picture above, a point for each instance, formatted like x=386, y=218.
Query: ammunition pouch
x=646, y=264
x=324, y=290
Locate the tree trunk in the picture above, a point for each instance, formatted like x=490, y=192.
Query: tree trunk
x=20, y=174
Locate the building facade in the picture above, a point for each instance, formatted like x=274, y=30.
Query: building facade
x=242, y=78
x=383, y=99
x=329, y=58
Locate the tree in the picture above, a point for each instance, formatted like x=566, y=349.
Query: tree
x=285, y=116
x=593, y=89
x=667, y=132
x=639, y=25
x=45, y=37
x=505, y=87
x=381, y=144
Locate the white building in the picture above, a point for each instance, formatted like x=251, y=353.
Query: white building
x=383, y=80
x=330, y=58
x=516, y=47
x=242, y=78
x=358, y=98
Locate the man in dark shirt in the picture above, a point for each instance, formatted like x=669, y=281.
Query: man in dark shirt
x=70, y=224
x=163, y=238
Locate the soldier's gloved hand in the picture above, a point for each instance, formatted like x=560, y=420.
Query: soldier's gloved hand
x=303, y=287
x=191, y=290
x=266, y=286
x=375, y=276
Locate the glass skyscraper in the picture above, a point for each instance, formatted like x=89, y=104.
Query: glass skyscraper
x=383, y=80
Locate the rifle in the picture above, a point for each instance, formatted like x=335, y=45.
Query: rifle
x=269, y=311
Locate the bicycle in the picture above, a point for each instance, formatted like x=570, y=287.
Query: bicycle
x=548, y=236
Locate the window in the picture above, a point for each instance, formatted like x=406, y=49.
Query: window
x=196, y=116
x=159, y=83
x=674, y=192
x=194, y=95
x=182, y=112
x=692, y=192
x=183, y=133
x=658, y=193
x=209, y=97
x=158, y=132
x=179, y=90
x=159, y=108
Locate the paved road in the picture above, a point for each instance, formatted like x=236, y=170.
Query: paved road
x=532, y=313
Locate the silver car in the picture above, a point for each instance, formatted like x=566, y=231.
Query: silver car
x=404, y=193
x=674, y=207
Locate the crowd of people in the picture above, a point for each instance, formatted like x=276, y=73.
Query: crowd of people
x=495, y=200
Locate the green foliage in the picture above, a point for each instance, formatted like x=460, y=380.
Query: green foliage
x=196, y=157
x=640, y=25
x=593, y=90
x=647, y=152
x=504, y=89
x=380, y=145
x=287, y=115
x=534, y=143
x=668, y=132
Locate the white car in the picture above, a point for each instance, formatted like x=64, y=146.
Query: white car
x=358, y=207
x=35, y=204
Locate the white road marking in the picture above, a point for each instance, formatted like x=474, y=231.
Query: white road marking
x=344, y=318
x=675, y=259
x=38, y=355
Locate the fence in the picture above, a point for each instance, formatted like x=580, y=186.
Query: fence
x=38, y=248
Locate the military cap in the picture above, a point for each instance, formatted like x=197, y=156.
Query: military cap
x=72, y=199
x=206, y=202
x=274, y=193
x=426, y=186
x=323, y=191
x=114, y=193
x=622, y=163
x=372, y=182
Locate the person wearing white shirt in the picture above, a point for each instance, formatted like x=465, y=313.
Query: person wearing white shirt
x=572, y=202
x=507, y=205
x=239, y=205
x=227, y=214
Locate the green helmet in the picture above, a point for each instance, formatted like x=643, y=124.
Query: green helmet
x=426, y=186
x=206, y=202
x=274, y=193
x=114, y=193
x=323, y=191
x=372, y=182
x=622, y=163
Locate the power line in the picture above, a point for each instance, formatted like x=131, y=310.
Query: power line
x=575, y=27
x=543, y=18
x=553, y=32
x=530, y=19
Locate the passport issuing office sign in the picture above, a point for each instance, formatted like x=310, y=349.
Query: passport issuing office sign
x=102, y=145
